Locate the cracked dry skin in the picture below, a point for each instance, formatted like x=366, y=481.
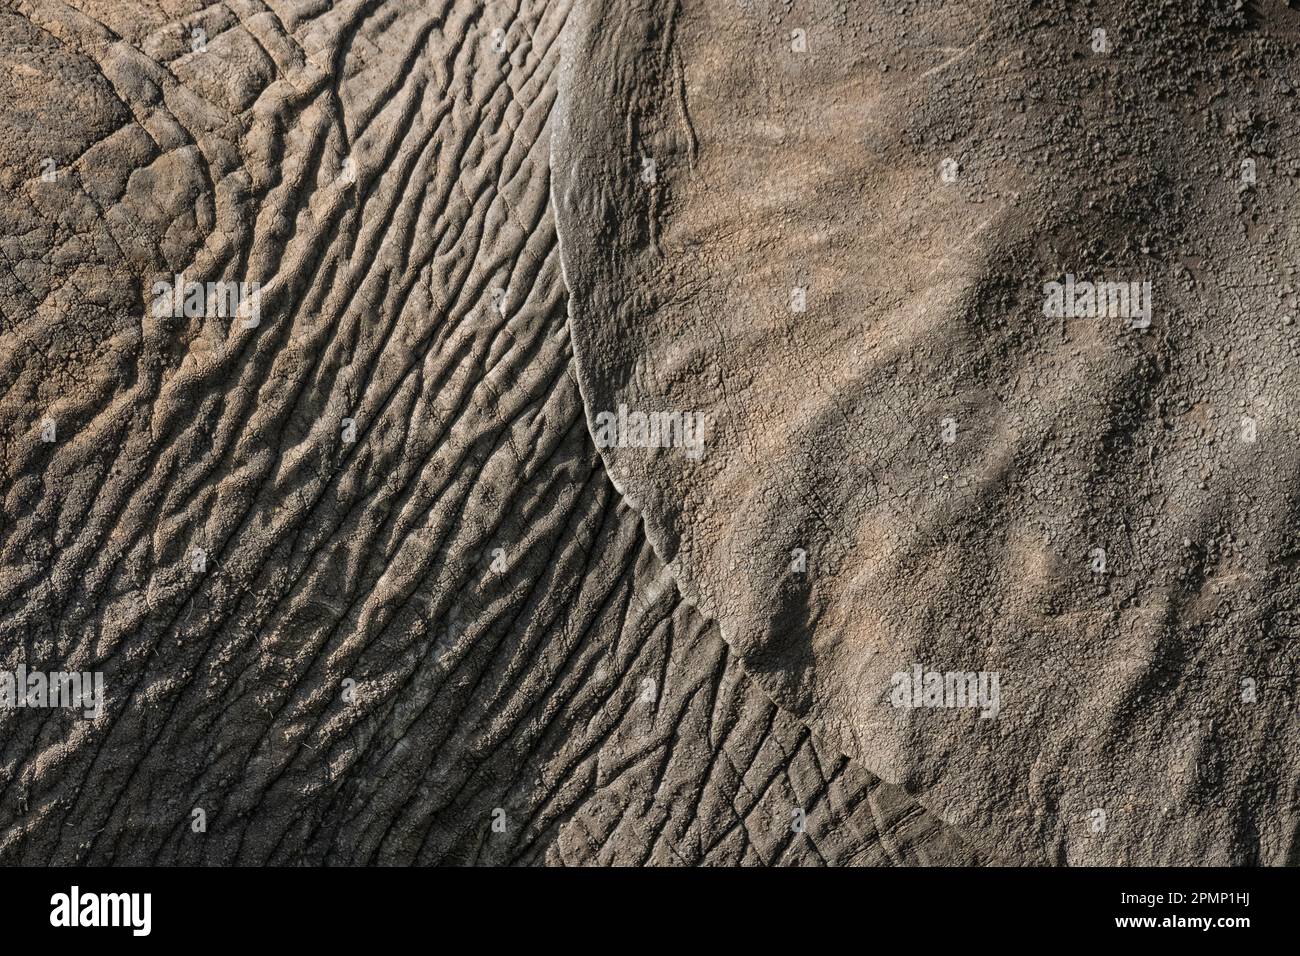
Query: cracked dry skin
x=949, y=460
x=381, y=169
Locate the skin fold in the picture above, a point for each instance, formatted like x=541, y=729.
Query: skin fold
x=355, y=577
x=841, y=234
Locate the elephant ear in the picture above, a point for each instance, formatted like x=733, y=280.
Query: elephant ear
x=1018, y=539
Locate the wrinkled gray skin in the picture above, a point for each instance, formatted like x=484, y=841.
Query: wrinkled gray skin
x=358, y=675
x=912, y=466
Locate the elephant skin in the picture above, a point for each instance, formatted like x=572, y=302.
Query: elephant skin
x=358, y=584
x=1034, y=561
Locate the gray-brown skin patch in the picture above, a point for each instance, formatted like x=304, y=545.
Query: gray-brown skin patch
x=1126, y=731
x=517, y=686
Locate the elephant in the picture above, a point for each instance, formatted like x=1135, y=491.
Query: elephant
x=615, y=432
x=296, y=461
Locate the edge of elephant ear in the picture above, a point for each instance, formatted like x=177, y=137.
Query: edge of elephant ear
x=592, y=171
x=621, y=134
x=607, y=201
x=613, y=159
